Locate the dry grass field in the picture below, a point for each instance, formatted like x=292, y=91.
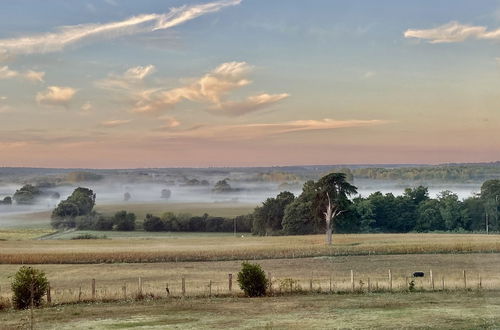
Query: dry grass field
x=448, y=310
x=215, y=247
x=66, y=280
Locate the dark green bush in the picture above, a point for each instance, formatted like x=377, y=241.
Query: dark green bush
x=104, y=223
x=28, y=282
x=89, y=236
x=124, y=221
x=252, y=280
x=152, y=223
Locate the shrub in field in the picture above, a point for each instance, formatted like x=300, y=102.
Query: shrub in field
x=4, y=304
x=252, y=280
x=124, y=221
x=152, y=223
x=89, y=236
x=104, y=223
x=27, y=283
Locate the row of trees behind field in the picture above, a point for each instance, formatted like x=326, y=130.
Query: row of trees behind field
x=286, y=214
x=413, y=211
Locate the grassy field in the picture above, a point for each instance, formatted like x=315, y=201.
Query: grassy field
x=212, y=247
x=23, y=234
x=449, y=310
x=66, y=280
x=197, y=209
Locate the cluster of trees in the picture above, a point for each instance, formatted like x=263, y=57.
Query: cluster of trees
x=196, y=182
x=27, y=194
x=77, y=212
x=6, y=201
x=455, y=173
x=414, y=210
x=222, y=186
x=290, y=215
x=188, y=223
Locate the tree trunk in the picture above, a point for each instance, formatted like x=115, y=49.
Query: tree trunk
x=329, y=236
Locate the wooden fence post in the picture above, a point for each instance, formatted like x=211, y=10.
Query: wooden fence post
x=49, y=297
x=330, y=284
x=352, y=280
x=390, y=280
x=93, y=289
x=79, y=294
x=32, y=291
x=310, y=284
x=183, y=286
x=210, y=289
x=442, y=282
x=124, y=290
x=230, y=280
x=369, y=285
x=465, y=280
x=139, y=289
x=480, y=282
x=432, y=280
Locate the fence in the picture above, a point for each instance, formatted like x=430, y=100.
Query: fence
x=92, y=289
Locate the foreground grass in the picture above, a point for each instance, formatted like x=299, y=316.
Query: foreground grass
x=444, y=310
x=212, y=248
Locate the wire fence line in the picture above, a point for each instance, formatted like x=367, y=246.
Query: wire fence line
x=94, y=290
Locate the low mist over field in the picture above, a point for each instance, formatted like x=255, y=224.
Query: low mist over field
x=242, y=185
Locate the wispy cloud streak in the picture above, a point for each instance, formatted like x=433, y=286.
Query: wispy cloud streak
x=253, y=131
x=453, y=32
x=70, y=35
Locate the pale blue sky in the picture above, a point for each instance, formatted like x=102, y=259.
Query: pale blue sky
x=334, y=81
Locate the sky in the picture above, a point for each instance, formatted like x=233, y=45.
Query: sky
x=130, y=84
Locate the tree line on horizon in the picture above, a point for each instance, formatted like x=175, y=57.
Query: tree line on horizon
x=286, y=214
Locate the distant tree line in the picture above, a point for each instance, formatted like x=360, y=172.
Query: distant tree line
x=448, y=173
x=413, y=211
x=285, y=214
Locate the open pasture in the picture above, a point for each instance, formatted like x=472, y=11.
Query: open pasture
x=448, y=310
x=216, y=247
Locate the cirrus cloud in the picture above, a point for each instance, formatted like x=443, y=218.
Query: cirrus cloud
x=260, y=130
x=71, y=35
x=115, y=123
x=453, y=32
